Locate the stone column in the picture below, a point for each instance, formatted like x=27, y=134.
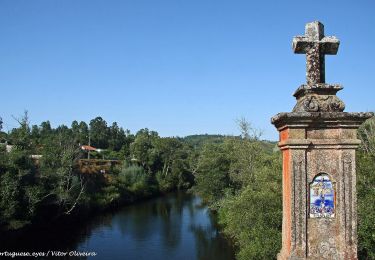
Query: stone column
x=318, y=142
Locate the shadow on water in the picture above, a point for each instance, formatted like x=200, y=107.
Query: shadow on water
x=174, y=226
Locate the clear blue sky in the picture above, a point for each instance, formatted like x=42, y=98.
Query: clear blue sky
x=177, y=67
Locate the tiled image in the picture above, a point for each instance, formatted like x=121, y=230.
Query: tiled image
x=322, y=197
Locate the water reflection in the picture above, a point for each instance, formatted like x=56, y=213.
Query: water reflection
x=175, y=226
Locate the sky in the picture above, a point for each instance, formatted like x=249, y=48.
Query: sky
x=176, y=67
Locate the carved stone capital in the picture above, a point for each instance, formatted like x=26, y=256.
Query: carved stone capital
x=318, y=98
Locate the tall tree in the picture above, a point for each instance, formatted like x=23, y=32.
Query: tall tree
x=21, y=136
x=83, y=135
x=45, y=128
x=99, y=133
x=143, y=150
x=116, y=137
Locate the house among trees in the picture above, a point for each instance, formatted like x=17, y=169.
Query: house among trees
x=88, y=148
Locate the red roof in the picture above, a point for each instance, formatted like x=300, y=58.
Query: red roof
x=88, y=148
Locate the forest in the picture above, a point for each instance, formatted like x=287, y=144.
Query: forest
x=238, y=177
x=40, y=177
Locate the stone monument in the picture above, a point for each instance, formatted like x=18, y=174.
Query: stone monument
x=318, y=143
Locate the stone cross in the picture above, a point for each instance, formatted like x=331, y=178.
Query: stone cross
x=315, y=45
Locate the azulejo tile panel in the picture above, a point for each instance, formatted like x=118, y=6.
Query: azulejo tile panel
x=322, y=197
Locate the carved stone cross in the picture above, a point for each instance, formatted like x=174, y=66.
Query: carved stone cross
x=315, y=45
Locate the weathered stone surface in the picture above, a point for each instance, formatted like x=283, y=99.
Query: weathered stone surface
x=310, y=149
x=321, y=119
x=318, y=139
x=318, y=98
x=315, y=45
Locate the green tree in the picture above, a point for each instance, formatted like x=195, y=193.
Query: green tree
x=367, y=135
x=137, y=180
x=3, y=136
x=366, y=190
x=212, y=175
x=83, y=133
x=21, y=136
x=99, y=133
x=58, y=174
x=246, y=157
x=168, y=151
x=45, y=129
x=143, y=149
x=117, y=137
x=17, y=175
x=241, y=180
x=10, y=198
x=174, y=170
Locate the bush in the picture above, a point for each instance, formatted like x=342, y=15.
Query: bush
x=137, y=180
x=366, y=206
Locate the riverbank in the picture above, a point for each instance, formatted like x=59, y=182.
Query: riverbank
x=45, y=222
x=172, y=226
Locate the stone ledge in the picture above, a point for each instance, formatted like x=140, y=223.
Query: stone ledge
x=319, y=88
x=327, y=119
x=319, y=143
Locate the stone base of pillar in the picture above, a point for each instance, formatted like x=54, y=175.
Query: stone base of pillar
x=319, y=184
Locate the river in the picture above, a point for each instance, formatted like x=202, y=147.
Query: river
x=174, y=226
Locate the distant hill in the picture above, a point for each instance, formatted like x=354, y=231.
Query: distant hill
x=269, y=146
x=198, y=141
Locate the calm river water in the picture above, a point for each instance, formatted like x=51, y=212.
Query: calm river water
x=175, y=226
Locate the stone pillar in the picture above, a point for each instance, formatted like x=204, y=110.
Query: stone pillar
x=318, y=142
